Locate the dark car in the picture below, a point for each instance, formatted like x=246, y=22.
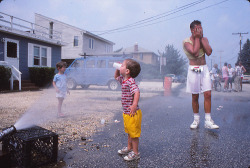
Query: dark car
x=181, y=79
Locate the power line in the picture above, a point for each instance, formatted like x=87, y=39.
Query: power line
x=157, y=17
x=121, y=29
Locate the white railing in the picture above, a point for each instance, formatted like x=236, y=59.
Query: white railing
x=15, y=74
x=14, y=23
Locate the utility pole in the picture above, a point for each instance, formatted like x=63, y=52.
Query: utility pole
x=240, y=39
x=220, y=56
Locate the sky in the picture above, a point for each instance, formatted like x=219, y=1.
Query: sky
x=153, y=24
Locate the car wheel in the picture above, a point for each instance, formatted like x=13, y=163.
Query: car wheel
x=71, y=84
x=85, y=86
x=113, y=85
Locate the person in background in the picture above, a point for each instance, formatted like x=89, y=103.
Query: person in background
x=237, y=78
x=243, y=70
x=198, y=78
x=132, y=114
x=225, y=76
x=214, y=73
x=60, y=84
x=230, y=77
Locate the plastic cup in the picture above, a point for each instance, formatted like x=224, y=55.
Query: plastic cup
x=117, y=65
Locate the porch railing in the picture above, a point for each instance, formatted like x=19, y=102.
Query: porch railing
x=15, y=74
x=15, y=23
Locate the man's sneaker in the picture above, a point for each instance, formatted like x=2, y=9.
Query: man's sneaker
x=210, y=124
x=124, y=151
x=195, y=124
x=132, y=156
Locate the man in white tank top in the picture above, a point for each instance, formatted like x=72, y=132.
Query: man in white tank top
x=198, y=78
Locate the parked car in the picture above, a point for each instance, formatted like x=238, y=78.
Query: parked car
x=246, y=79
x=93, y=70
x=181, y=79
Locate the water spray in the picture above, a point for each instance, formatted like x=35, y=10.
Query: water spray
x=8, y=131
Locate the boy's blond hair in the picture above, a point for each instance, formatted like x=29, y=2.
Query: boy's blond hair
x=134, y=67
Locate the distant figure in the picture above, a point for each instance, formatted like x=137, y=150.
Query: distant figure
x=225, y=76
x=132, y=115
x=243, y=70
x=198, y=78
x=214, y=74
x=230, y=77
x=60, y=84
x=237, y=79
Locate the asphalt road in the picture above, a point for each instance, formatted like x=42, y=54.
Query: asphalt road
x=167, y=140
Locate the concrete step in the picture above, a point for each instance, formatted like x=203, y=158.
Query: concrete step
x=25, y=85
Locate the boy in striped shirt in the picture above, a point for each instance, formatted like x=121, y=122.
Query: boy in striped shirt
x=131, y=113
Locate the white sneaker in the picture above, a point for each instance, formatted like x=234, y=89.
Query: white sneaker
x=195, y=124
x=132, y=156
x=210, y=124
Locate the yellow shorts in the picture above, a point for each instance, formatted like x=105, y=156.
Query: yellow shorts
x=132, y=125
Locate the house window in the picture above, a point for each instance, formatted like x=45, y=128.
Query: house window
x=141, y=56
x=11, y=50
x=107, y=48
x=36, y=55
x=51, y=30
x=44, y=56
x=75, y=40
x=91, y=43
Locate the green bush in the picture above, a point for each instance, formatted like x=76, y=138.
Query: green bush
x=41, y=76
x=5, y=74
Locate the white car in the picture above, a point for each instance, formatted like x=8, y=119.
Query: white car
x=246, y=79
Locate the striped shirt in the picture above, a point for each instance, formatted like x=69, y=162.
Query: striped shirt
x=129, y=88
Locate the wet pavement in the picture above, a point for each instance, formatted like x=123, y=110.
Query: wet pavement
x=167, y=140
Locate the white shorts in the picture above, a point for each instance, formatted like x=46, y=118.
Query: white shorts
x=61, y=94
x=198, y=82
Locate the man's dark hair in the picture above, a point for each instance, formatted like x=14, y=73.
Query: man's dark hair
x=134, y=67
x=195, y=22
x=225, y=64
x=61, y=64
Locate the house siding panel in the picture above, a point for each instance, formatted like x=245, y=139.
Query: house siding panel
x=23, y=52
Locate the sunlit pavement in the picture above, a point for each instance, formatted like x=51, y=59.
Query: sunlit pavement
x=167, y=140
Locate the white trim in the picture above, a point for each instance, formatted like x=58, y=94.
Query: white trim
x=31, y=55
x=6, y=40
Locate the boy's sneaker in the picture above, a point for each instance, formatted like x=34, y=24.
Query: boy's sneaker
x=124, y=151
x=132, y=156
x=210, y=124
x=195, y=124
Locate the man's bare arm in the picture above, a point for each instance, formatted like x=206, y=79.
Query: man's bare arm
x=193, y=49
x=205, y=44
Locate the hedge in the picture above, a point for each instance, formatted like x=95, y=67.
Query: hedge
x=5, y=74
x=41, y=76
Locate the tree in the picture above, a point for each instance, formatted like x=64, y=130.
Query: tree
x=244, y=56
x=175, y=63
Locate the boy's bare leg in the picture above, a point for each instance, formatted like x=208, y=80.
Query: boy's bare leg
x=135, y=144
x=195, y=103
x=60, y=101
x=207, y=101
x=130, y=146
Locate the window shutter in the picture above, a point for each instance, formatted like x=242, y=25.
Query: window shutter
x=30, y=55
x=49, y=56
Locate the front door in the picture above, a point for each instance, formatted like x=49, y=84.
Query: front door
x=11, y=52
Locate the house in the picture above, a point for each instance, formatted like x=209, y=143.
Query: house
x=141, y=54
x=22, y=46
x=78, y=41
